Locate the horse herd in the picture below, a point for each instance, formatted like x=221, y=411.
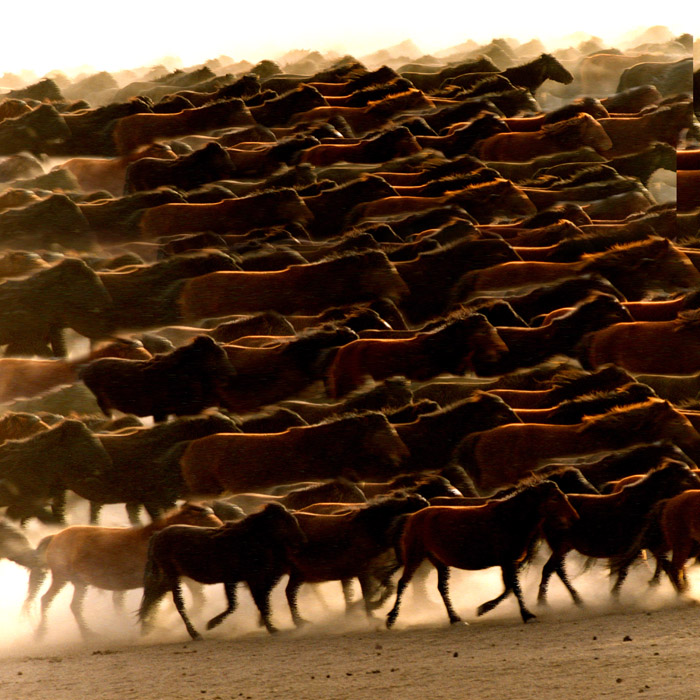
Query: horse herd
x=331, y=321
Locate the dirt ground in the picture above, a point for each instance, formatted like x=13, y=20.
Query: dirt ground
x=644, y=646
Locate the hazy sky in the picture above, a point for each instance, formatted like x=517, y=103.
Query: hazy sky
x=42, y=35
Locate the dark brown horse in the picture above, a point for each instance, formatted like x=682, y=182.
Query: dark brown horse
x=498, y=533
x=366, y=444
x=255, y=550
x=503, y=455
x=608, y=524
x=464, y=344
x=343, y=546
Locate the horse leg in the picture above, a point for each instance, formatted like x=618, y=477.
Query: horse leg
x=291, y=592
x=510, y=581
x=57, y=340
x=58, y=507
x=133, y=511
x=230, y=591
x=57, y=585
x=491, y=604
x=95, y=509
x=443, y=574
x=408, y=570
x=346, y=585
x=76, y=606
x=260, y=590
x=180, y=605
x=37, y=576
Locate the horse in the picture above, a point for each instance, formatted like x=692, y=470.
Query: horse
x=298, y=289
x=530, y=346
x=366, y=444
x=478, y=412
x=670, y=526
x=35, y=311
x=498, y=533
x=647, y=347
x=486, y=202
x=144, y=295
x=265, y=375
x=429, y=81
x=505, y=454
x=232, y=216
x=632, y=134
x=108, y=174
x=532, y=74
x=110, y=558
x=375, y=116
x=136, y=130
x=634, y=269
x=345, y=545
x=28, y=479
x=608, y=524
x=184, y=172
x=23, y=378
x=669, y=78
x=395, y=143
x=462, y=344
x=184, y=381
x=256, y=550
x=143, y=467
x=522, y=146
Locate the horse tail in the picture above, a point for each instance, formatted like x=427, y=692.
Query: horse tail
x=394, y=535
x=650, y=536
x=154, y=587
x=38, y=571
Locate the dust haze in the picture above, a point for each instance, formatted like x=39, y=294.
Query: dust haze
x=321, y=605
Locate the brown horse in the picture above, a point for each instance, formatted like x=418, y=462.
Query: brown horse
x=343, y=545
x=111, y=558
x=136, y=130
x=648, y=347
x=521, y=146
x=255, y=550
x=233, y=216
x=366, y=444
x=19, y=425
x=469, y=343
x=302, y=289
x=374, y=116
x=498, y=533
x=672, y=526
x=503, y=455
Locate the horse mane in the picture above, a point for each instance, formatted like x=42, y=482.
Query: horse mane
x=625, y=254
x=458, y=181
x=567, y=133
x=637, y=418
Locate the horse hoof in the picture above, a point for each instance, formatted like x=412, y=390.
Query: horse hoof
x=458, y=622
x=528, y=616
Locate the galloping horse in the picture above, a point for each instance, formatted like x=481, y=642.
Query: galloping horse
x=608, y=524
x=366, y=444
x=648, y=347
x=503, y=455
x=521, y=146
x=467, y=343
x=255, y=550
x=498, y=533
x=112, y=558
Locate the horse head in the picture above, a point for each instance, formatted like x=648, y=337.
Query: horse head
x=282, y=526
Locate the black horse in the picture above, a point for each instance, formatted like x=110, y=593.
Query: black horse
x=183, y=382
x=255, y=550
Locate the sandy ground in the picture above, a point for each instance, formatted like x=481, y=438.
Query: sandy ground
x=644, y=646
